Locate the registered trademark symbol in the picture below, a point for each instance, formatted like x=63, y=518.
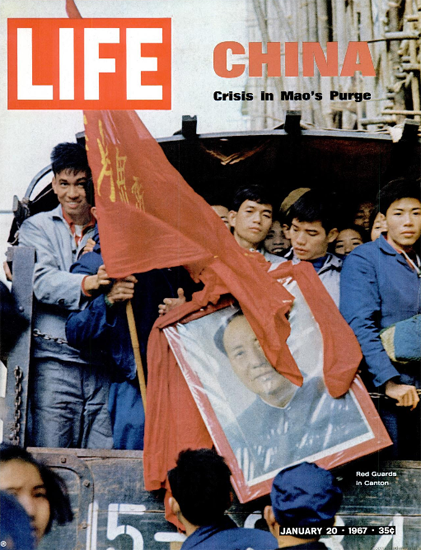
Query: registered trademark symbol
x=3, y=543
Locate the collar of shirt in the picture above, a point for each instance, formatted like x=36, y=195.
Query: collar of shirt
x=318, y=262
x=72, y=226
x=411, y=257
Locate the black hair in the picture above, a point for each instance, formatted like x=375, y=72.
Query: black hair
x=373, y=216
x=256, y=193
x=55, y=487
x=200, y=483
x=357, y=206
x=395, y=190
x=278, y=217
x=315, y=206
x=219, y=334
x=215, y=197
x=90, y=193
x=357, y=228
x=70, y=156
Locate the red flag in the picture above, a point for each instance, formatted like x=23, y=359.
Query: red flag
x=149, y=218
x=174, y=422
x=71, y=10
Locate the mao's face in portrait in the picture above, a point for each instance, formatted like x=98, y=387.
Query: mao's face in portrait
x=251, y=366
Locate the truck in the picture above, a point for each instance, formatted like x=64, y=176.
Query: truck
x=112, y=509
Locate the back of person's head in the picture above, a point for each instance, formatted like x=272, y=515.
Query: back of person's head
x=200, y=483
x=55, y=487
x=305, y=495
x=70, y=156
x=15, y=526
x=315, y=206
x=256, y=193
x=395, y=190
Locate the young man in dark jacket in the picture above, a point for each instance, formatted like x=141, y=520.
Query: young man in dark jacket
x=201, y=489
x=101, y=330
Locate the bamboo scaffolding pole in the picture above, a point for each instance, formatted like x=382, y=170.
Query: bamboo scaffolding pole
x=394, y=35
x=401, y=112
x=325, y=83
x=415, y=78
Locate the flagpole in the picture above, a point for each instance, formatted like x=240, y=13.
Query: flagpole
x=136, y=352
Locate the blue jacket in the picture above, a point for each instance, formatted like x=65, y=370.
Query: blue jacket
x=379, y=288
x=99, y=330
x=56, y=290
x=227, y=536
x=407, y=339
x=99, y=327
x=102, y=333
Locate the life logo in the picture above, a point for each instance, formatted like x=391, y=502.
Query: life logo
x=89, y=64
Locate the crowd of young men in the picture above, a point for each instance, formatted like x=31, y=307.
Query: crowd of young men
x=76, y=397
x=83, y=386
x=74, y=392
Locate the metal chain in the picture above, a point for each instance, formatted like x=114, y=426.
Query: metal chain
x=38, y=334
x=15, y=433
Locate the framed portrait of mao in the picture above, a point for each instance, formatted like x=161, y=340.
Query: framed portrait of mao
x=259, y=420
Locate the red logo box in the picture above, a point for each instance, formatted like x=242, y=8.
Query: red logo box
x=89, y=64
